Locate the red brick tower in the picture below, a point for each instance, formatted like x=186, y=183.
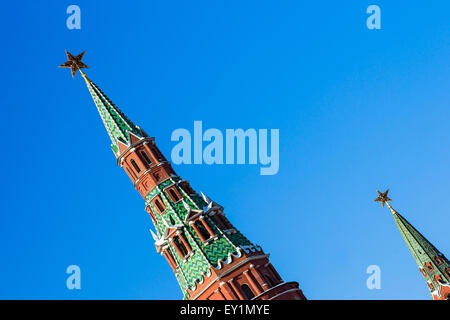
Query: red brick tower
x=210, y=258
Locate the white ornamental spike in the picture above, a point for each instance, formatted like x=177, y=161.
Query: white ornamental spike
x=155, y=237
x=186, y=206
x=205, y=197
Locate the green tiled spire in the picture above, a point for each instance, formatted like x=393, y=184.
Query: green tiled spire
x=433, y=265
x=116, y=122
x=431, y=262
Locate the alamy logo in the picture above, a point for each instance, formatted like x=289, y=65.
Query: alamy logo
x=235, y=147
x=374, y=20
x=74, y=280
x=74, y=20
x=374, y=280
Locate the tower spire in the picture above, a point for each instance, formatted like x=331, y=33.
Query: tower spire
x=433, y=265
x=211, y=259
x=117, y=124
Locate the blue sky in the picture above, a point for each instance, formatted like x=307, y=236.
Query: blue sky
x=357, y=109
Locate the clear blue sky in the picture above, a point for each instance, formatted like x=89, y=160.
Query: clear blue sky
x=358, y=110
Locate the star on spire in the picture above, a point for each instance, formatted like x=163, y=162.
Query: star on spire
x=383, y=197
x=74, y=63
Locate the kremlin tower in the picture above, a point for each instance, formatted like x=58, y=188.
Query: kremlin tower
x=433, y=265
x=210, y=258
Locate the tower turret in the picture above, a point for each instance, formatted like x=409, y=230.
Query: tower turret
x=433, y=265
x=211, y=258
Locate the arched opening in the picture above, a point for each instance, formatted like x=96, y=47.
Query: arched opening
x=181, y=246
x=174, y=195
x=159, y=206
x=438, y=260
x=136, y=167
x=202, y=230
x=145, y=156
x=248, y=293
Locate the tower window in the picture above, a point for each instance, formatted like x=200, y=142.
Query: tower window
x=247, y=291
x=180, y=246
x=438, y=260
x=202, y=230
x=174, y=195
x=144, y=154
x=136, y=167
x=159, y=205
x=429, y=266
x=150, y=212
x=207, y=227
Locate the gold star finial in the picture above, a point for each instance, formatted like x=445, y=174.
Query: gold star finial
x=74, y=63
x=383, y=197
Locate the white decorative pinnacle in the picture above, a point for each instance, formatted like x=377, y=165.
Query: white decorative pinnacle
x=186, y=206
x=206, y=198
x=155, y=237
x=209, y=203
